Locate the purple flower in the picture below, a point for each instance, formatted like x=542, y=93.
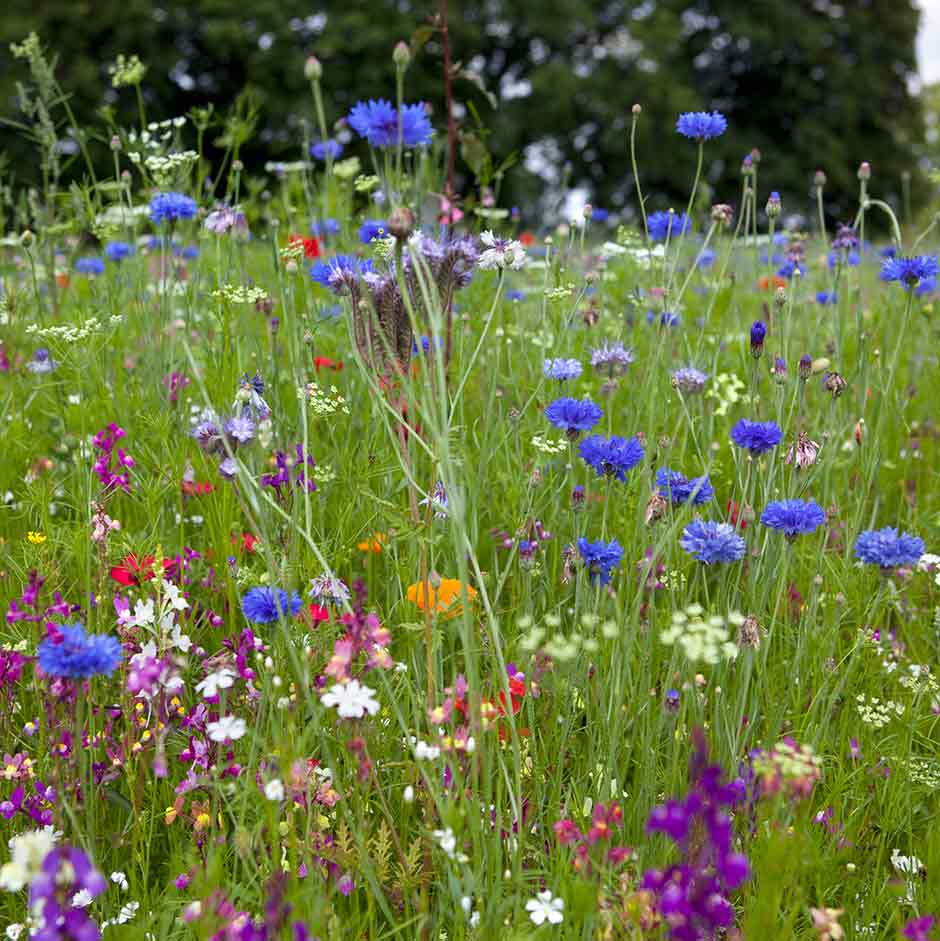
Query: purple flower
x=909, y=271
x=887, y=548
x=793, y=517
x=561, y=369
x=573, y=415
x=168, y=207
x=265, y=605
x=600, y=558
x=679, y=489
x=711, y=542
x=701, y=125
x=377, y=122
x=689, y=380
x=320, y=150
x=756, y=436
x=663, y=225
x=918, y=929
x=611, y=457
x=340, y=273
x=69, y=652
x=65, y=872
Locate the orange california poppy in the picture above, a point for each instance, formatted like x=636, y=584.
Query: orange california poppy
x=764, y=282
x=445, y=595
x=373, y=544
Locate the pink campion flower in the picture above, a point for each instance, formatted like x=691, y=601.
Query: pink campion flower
x=567, y=832
x=101, y=524
x=604, y=821
x=450, y=213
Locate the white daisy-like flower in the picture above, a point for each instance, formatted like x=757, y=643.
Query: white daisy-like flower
x=274, y=790
x=500, y=253
x=218, y=680
x=352, y=700
x=545, y=908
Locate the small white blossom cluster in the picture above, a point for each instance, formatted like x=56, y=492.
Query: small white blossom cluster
x=703, y=640
x=72, y=333
x=565, y=647
x=549, y=445
x=726, y=391
x=321, y=402
x=236, y=294
x=167, y=169
x=560, y=293
x=27, y=852
x=875, y=712
x=127, y=70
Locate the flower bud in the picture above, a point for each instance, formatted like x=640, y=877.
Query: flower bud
x=401, y=223
x=864, y=171
x=773, y=207
x=588, y=211
x=401, y=55
x=819, y=180
x=27, y=238
x=115, y=143
x=238, y=166
x=637, y=109
x=313, y=71
x=722, y=213
x=758, y=332
x=806, y=366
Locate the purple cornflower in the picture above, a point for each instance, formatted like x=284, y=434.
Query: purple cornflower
x=918, y=929
x=573, y=416
x=611, y=457
x=340, y=273
x=89, y=266
x=887, y=548
x=561, y=369
x=265, y=605
x=372, y=229
x=758, y=332
x=663, y=225
x=66, y=874
x=793, y=517
x=377, y=122
x=680, y=489
x=118, y=251
x=69, y=652
x=825, y=298
x=600, y=558
x=168, y=207
x=42, y=362
x=789, y=267
x=701, y=125
x=711, y=542
x=286, y=465
x=320, y=149
x=909, y=271
x=756, y=436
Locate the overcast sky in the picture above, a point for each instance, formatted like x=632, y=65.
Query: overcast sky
x=928, y=43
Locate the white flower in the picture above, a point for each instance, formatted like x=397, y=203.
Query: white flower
x=545, y=908
x=228, y=728
x=82, y=898
x=28, y=852
x=408, y=794
x=15, y=931
x=172, y=593
x=446, y=841
x=352, y=700
x=426, y=752
x=179, y=640
x=501, y=253
x=118, y=878
x=142, y=617
x=274, y=790
x=220, y=679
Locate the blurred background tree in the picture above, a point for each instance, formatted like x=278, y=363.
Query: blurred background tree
x=811, y=83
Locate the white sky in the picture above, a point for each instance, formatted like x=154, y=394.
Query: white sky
x=928, y=42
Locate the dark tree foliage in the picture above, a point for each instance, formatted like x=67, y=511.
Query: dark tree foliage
x=811, y=84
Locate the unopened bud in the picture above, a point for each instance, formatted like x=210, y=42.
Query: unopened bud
x=780, y=297
x=27, y=238
x=773, y=208
x=637, y=109
x=755, y=155
x=722, y=213
x=313, y=71
x=401, y=55
x=806, y=366
x=401, y=223
x=819, y=179
x=238, y=166
x=864, y=171
x=588, y=211
x=115, y=143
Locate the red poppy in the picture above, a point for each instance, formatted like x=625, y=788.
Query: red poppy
x=133, y=572
x=527, y=239
x=326, y=363
x=247, y=542
x=764, y=282
x=318, y=613
x=738, y=517
x=192, y=488
x=516, y=695
x=311, y=245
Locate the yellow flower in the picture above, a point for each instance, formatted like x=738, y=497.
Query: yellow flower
x=37, y=539
x=445, y=595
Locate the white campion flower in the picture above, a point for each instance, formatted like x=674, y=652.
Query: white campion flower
x=28, y=850
x=352, y=700
x=500, y=253
x=219, y=679
x=545, y=908
x=274, y=790
x=446, y=840
x=228, y=728
x=424, y=752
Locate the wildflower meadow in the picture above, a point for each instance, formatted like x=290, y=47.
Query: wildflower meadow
x=380, y=562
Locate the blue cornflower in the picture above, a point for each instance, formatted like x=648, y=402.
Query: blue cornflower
x=340, y=272
x=168, y=207
x=89, y=266
x=927, y=286
x=513, y=295
x=190, y=251
x=266, y=605
x=599, y=214
x=793, y=517
x=888, y=252
x=758, y=332
x=319, y=149
x=372, y=229
x=756, y=436
x=701, y=125
x=611, y=457
x=117, y=251
x=70, y=652
x=909, y=270
x=790, y=266
x=425, y=344
x=887, y=548
x=711, y=542
x=600, y=558
x=689, y=380
x=679, y=489
x=847, y=257
x=573, y=415
x=706, y=258
x=324, y=228
x=377, y=122
x=826, y=297
x=665, y=319
x=561, y=369
x=663, y=224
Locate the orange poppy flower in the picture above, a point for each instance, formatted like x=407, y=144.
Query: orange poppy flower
x=764, y=282
x=444, y=595
x=373, y=544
